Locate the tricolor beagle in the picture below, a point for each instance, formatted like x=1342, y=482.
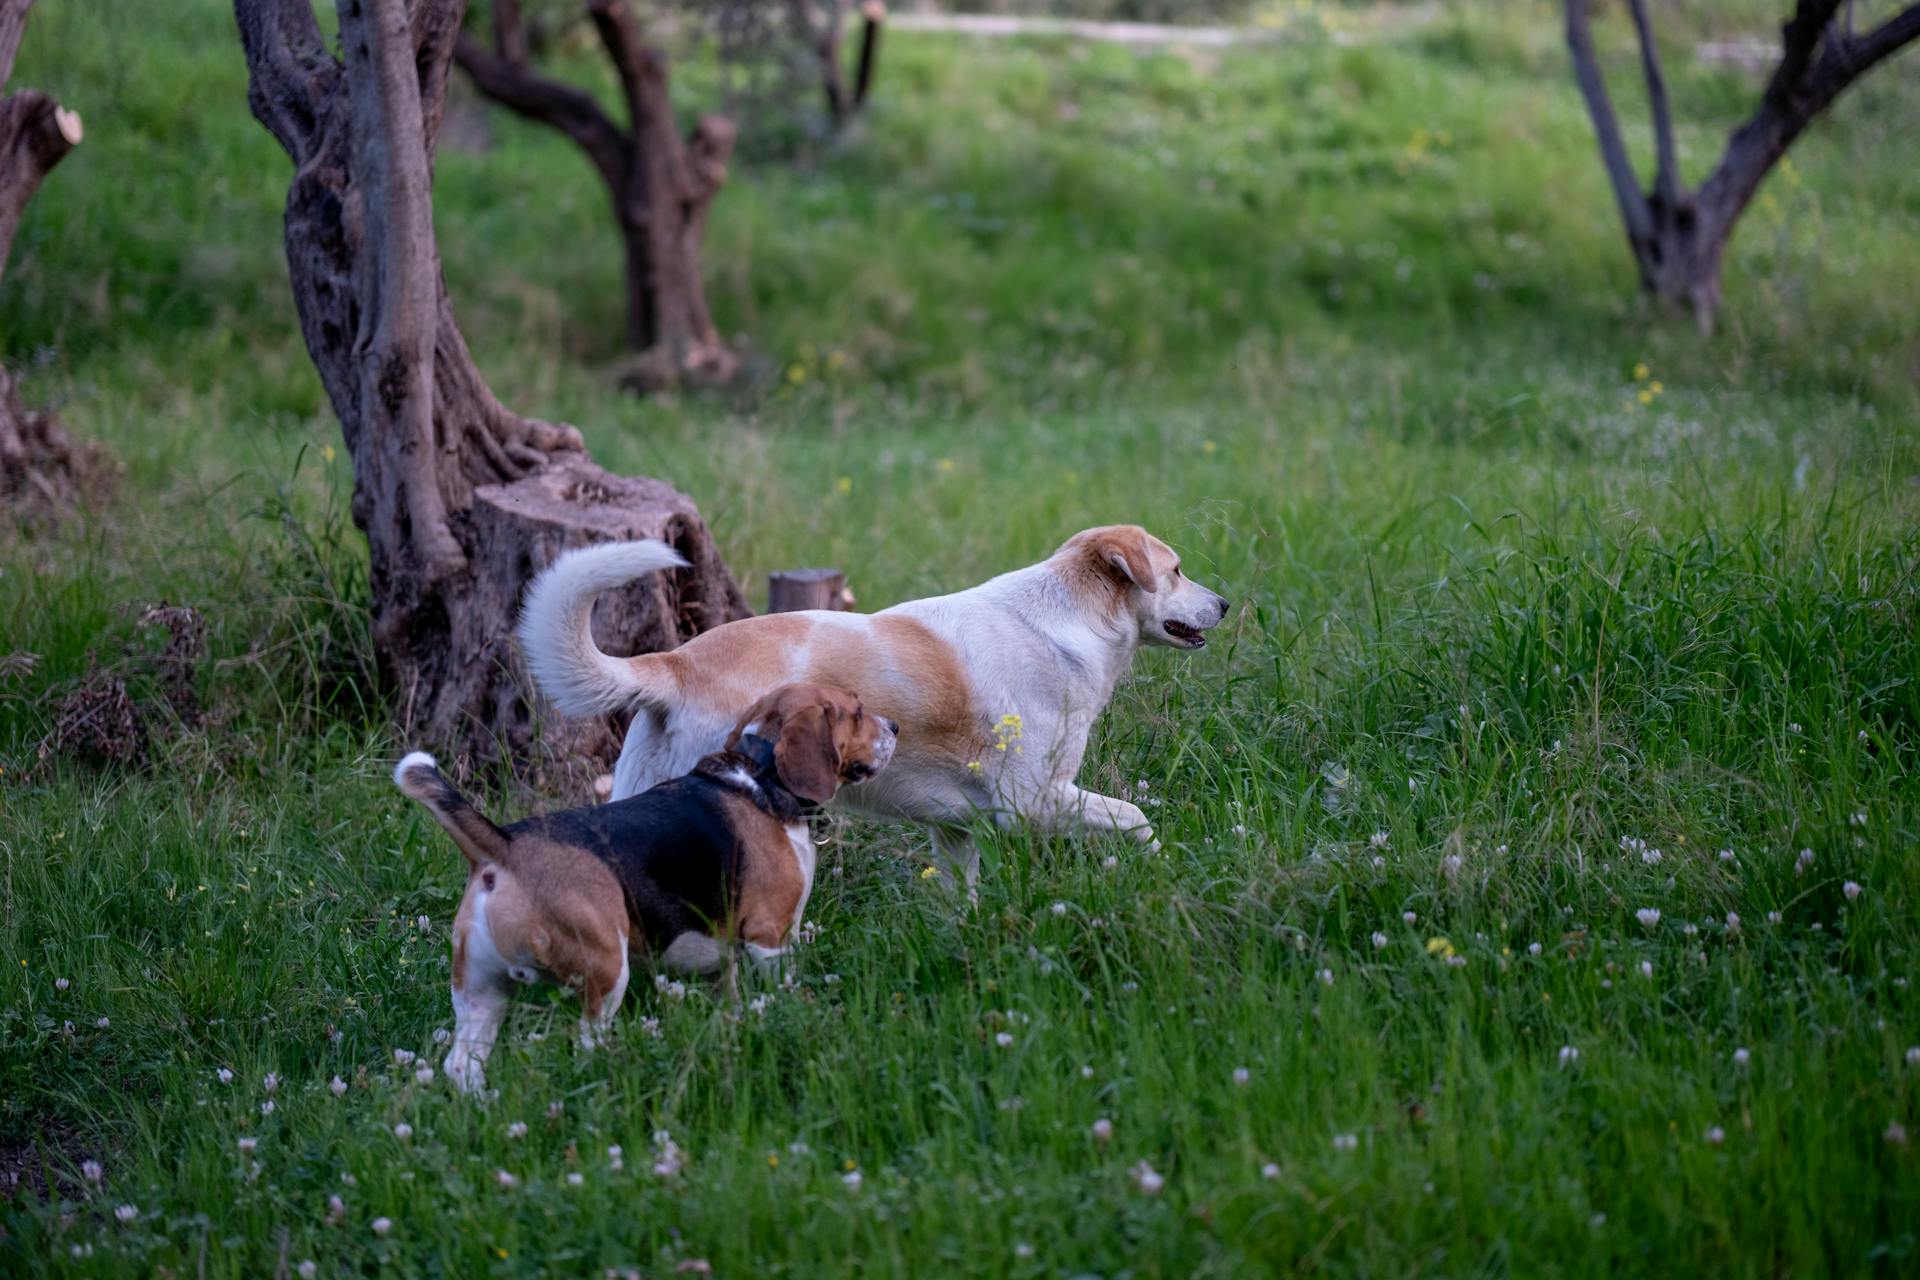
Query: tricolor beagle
x=720, y=855
x=998, y=686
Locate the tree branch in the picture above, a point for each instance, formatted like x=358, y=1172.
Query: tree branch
x=632, y=58
x=1799, y=39
x=1858, y=55
x=435, y=25
x=36, y=133
x=13, y=26
x=1667, y=174
x=289, y=71
x=1634, y=211
x=530, y=94
x=509, y=33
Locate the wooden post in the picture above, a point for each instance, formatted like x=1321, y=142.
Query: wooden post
x=875, y=13
x=797, y=589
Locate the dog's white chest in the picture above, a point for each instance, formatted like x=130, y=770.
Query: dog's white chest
x=808, y=855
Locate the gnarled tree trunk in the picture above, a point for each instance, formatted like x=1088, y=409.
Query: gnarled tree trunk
x=43, y=473
x=1679, y=236
x=821, y=36
x=461, y=499
x=661, y=185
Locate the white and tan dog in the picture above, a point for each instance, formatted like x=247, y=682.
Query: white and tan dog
x=995, y=688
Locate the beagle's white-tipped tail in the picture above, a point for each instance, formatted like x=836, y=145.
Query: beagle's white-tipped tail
x=556, y=627
x=419, y=778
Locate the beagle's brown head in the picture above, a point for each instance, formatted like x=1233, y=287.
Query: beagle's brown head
x=822, y=737
x=1120, y=571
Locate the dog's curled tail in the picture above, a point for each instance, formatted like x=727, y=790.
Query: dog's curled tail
x=418, y=777
x=556, y=627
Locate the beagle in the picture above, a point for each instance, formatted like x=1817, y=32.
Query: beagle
x=720, y=855
x=998, y=686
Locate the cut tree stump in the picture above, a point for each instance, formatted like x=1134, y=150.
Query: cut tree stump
x=797, y=589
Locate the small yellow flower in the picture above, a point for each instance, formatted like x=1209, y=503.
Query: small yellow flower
x=1655, y=387
x=502, y=1252
x=1640, y=371
x=851, y=1166
x=1439, y=946
x=1208, y=446
x=1646, y=397
x=930, y=873
x=773, y=1161
x=326, y=452
x=843, y=485
x=945, y=464
x=973, y=766
x=796, y=373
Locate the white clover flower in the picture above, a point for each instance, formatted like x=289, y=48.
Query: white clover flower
x=403, y=1057
x=1059, y=908
x=1379, y=940
x=668, y=1158
x=1004, y=1039
x=1325, y=976
x=1408, y=917
x=336, y=1210
x=1733, y=922
x=615, y=1158
x=1270, y=1171
x=308, y=1269
x=1456, y=961
x=1742, y=1058
x=1379, y=864
x=126, y=1213
x=651, y=1026
x=1345, y=1141
x=759, y=1003
x=1452, y=864
x=1646, y=968
x=576, y=1178
x=1913, y=1056
x=1378, y=839
x=1801, y=863
x=441, y=1035
x=517, y=1130
x=1852, y=889
x=851, y=1179
x=248, y=1144
x=506, y=1180
x=382, y=1225
x=1568, y=1055
x=422, y=923
x=1726, y=855
x=61, y=984
x=1102, y=1130
x=267, y=1108
x=1086, y=1072
x=103, y=1023
x=1895, y=1135
x=1651, y=856
x=424, y=1075
x=1859, y=819
x=1145, y=1180
x=1774, y=917
x=1022, y=1250
x=1241, y=1075
x=338, y=1086
x=93, y=1172
x=403, y=1131
x=1716, y=1135
x=1533, y=948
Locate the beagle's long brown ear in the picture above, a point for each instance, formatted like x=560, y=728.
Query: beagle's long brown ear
x=805, y=755
x=1125, y=552
x=765, y=713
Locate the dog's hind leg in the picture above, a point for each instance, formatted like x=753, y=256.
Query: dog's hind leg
x=958, y=854
x=1066, y=807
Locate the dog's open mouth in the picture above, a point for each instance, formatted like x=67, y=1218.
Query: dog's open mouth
x=1184, y=634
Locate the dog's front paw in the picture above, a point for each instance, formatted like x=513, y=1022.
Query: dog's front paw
x=464, y=1070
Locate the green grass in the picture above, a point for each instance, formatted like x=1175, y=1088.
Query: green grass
x=1352, y=327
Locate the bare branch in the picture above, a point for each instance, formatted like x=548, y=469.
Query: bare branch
x=1862, y=52
x=289, y=71
x=874, y=14
x=1667, y=175
x=528, y=93
x=13, y=26
x=509, y=33
x=435, y=25
x=1799, y=39
x=36, y=133
x=633, y=59
x=1606, y=127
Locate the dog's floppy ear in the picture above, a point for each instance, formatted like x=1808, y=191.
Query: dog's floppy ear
x=1124, y=551
x=806, y=756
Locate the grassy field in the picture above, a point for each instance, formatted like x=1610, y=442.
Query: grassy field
x=1553, y=617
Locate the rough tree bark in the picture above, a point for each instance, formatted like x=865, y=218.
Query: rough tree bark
x=661, y=184
x=1679, y=236
x=43, y=473
x=798, y=589
x=461, y=499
